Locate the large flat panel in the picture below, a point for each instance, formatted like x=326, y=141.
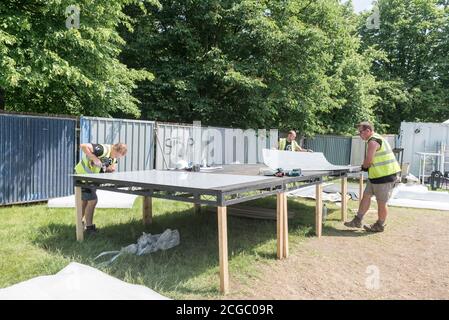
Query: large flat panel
x=37, y=156
x=183, y=179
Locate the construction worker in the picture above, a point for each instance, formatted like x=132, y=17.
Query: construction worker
x=96, y=158
x=290, y=144
x=383, y=169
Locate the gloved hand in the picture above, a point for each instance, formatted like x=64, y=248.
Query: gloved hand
x=364, y=169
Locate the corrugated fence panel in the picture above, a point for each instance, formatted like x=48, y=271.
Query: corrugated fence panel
x=422, y=137
x=173, y=145
x=137, y=134
x=37, y=156
x=218, y=145
x=336, y=149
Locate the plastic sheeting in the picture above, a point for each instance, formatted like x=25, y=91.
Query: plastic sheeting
x=147, y=243
x=306, y=161
x=78, y=282
x=310, y=192
x=106, y=199
x=331, y=192
x=418, y=196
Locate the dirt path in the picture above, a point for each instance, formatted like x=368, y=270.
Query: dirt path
x=411, y=257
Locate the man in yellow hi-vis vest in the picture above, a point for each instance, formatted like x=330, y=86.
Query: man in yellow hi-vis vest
x=383, y=169
x=96, y=158
x=290, y=144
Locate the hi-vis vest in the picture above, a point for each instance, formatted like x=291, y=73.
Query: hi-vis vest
x=85, y=166
x=283, y=143
x=384, y=162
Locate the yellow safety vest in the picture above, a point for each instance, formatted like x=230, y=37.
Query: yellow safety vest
x=86, y=166
x=384, y=162
x=283, y=143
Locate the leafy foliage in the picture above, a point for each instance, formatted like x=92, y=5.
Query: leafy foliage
x=288, y=64
x=46, y=67
x=309, y=65
x=414, y=69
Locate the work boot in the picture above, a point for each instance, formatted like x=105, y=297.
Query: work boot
x=91, y=230
x=354, y=223
x=375, y=227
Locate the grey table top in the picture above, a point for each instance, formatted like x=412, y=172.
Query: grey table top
x=228, y=178
x=180, y=179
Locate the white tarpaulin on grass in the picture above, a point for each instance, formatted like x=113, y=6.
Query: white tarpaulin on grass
x=306, y=161
x=418, y=196
x=310, y=192
x=78, y=282
x=106, y=199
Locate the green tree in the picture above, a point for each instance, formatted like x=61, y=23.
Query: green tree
x=287, y=64
x=48, y=67
x=413, y=70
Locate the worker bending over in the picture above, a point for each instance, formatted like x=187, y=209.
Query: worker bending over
x=96, y=158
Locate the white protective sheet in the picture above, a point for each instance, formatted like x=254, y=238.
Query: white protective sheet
x=78, y=282
x=418, y=196
x=310, y=192
x=106, y=199
x=306, y=161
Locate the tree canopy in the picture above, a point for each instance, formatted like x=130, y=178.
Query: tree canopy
x=47, y=67
x=414, y=67
x=288, y=64
x=309, y=65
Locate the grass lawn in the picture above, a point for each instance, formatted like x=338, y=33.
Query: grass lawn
x=36, y=240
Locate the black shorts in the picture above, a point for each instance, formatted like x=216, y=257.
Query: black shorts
x=88, y=194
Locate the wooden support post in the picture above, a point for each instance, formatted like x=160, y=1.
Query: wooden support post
x=361, y=187
x=79, y=215
x=280, y=225
x=344, y=199
x=285, y=251
x=147, y=210
x=223, y=249
x=319, y=209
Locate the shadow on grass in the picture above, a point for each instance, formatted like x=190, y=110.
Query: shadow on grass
x=177, y=269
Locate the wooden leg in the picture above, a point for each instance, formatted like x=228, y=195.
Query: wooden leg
x=147, y=210
x=318, y=209
x=223, y=249
x=344, y=199
x=280, y=225
x=361, y=187
x=197, y=206
x=285, y=226
x=79, y=215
